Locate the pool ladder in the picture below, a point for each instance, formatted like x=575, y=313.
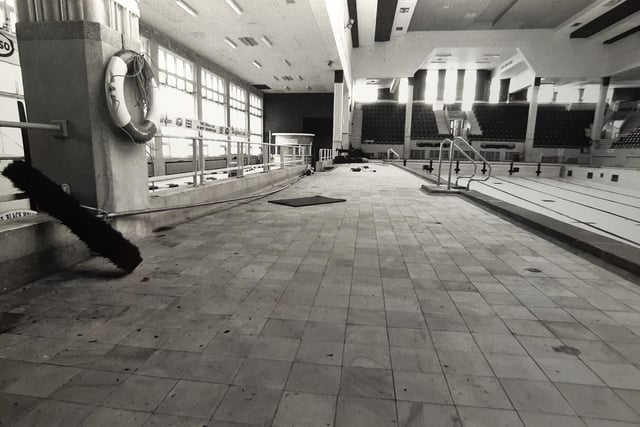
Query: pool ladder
x=453, y=144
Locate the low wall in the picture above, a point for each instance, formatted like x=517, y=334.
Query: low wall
x=36, y=246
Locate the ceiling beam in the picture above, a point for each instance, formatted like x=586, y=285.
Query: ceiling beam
x=384, y=19
x=606, y=20
x=622, y=35
x=353, y=15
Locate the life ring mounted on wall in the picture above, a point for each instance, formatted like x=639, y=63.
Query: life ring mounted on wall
x=129, y=64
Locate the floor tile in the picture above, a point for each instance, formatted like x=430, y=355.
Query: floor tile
x=415, y=414
x=313, y=378
x=356, y=411
x=303, y=409
x=106, y=417
x=192, y=399
x=140, y=393
x=536, y=396
x=367, y=382
x=367, y=356
x=249, y=405
x=597, y=402
x=484, y=392
x=421, y=387
x=263, y=373
x=483, y=417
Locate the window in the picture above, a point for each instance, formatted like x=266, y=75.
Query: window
x=213, y=104
x=8, y=17
x=255, y=118
x=177, y=99
x=238, y=106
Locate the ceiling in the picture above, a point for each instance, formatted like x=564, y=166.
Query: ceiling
x=438, y=15
x=300, y=32
x=292, y=28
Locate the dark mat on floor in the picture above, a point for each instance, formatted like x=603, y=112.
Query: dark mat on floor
x=306, y=201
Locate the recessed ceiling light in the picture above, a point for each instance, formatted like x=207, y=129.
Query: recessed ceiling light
x=483, y=62
x=257, y=64
x=191, y=11
x=230, y=42
x=233, y=5
x=492, y=55
x=404, y=10
x=446, y=6
x=266, y=41
x=443, y=55
x=309, y=87
x=300, y=77
x=287, y=62
x=399, y=28
x=276, y=78
x=287, y=88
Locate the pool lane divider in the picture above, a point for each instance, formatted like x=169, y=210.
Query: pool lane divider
x=612, y=251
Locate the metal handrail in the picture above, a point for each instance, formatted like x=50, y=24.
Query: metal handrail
x=59, y=126
x=477, y=153
x=391, y=150
x=452, y=146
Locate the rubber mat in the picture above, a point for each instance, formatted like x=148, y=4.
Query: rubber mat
x=306, y=201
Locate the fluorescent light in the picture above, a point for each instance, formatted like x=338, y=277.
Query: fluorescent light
x=257, y=64
x=233, y=5
x=191, y=11
x=230, y=42
x=266, y=41
x=287, y=62
x=443, y=55
x=492, y=55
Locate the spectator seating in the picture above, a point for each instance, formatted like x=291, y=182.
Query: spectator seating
x=501, y=122
x=630, y=140
x=383, y=123
x=558, y=127
x=423, y=123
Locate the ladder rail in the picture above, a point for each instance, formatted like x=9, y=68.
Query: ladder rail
x=480, y=156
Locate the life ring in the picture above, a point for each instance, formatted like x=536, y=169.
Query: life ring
x=127, y=63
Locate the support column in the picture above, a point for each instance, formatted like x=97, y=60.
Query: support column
x=419, y=85
x=338, y=103
x=63, y=65
x=406, y=153
x=531, y=122
x=441, y=78
x=504, y=90
x=598, y=117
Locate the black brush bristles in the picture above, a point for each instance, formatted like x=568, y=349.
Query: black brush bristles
x=99, y=236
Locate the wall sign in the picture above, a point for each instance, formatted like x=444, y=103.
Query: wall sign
x=7, y=46
x=4, y=216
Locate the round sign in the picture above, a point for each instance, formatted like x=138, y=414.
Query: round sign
x=6, y=46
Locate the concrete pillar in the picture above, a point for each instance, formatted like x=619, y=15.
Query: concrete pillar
x=598, y=118
x=406, y=153
x=63, y=67
x=441, y=77
x=483, y=83
x=504, y=90
x=346, y=118
x=460, y=85
x=531, y=122
x=419, y=85
x=338, y=104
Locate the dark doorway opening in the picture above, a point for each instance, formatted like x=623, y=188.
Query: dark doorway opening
x=322, y=127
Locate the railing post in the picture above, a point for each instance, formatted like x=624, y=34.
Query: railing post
x=281, y=156
x=194, y=145
x=203, y=164
x=228, y=158
x=240, y=161
x=450, y=164
x=266, y=155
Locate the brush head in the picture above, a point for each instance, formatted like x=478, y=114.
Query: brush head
x=99, y=236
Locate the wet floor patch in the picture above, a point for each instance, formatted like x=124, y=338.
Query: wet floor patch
x=8, y=321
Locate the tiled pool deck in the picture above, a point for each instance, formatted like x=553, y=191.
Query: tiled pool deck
x=395, y=308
